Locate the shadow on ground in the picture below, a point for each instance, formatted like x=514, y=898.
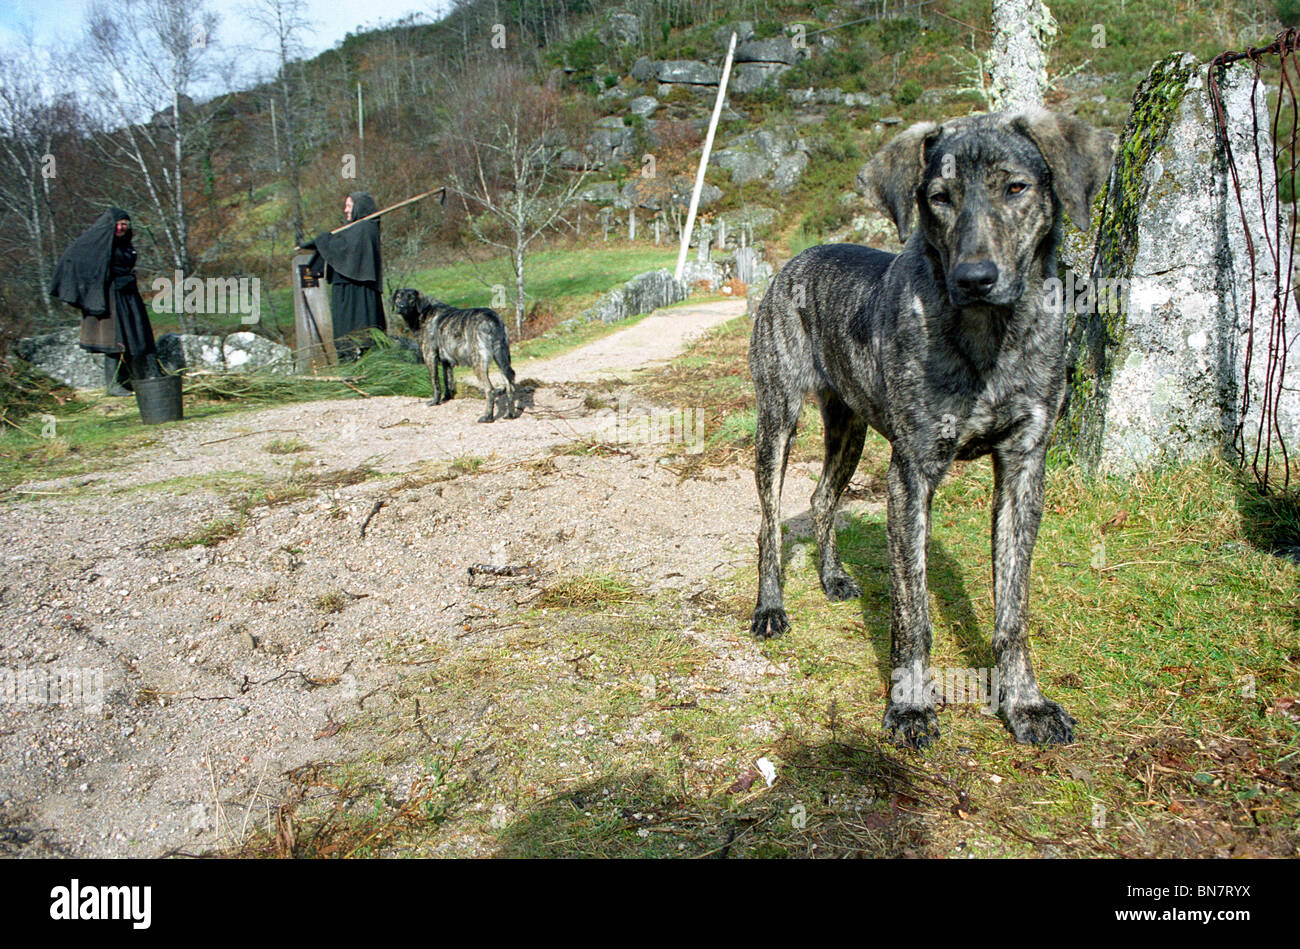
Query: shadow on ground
x=838, y=799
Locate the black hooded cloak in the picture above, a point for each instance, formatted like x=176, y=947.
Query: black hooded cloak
x=96, y=274
x=352, y=266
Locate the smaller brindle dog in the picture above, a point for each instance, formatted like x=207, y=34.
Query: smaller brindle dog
x=450, y=336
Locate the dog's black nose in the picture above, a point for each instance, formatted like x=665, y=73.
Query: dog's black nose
x=977, y=278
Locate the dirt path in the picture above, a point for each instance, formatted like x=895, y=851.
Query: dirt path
x=660, y=336
x=226, y=667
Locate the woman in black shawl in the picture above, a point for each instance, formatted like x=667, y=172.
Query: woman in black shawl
x=96, y=274
x=351, y=263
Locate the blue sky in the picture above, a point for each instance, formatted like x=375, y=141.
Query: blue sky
x=49, y=21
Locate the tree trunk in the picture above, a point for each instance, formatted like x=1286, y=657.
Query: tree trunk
x=1022, y=32
x=519, y=289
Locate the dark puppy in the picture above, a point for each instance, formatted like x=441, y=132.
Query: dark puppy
x=450, y=337
x=950, y=350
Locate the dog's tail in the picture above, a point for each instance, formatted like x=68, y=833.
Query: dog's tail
x=502, y=356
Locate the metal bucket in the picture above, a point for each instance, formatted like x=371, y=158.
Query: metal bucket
x=159, y=399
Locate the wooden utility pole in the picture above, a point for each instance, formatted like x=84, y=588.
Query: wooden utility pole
x=704, y=159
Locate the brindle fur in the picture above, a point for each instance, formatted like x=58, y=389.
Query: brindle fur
x=450, y=336
x=950, y=351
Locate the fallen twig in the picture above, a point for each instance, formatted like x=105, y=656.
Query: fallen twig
x=374, y=509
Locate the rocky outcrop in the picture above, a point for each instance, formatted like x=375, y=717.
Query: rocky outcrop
x=59, y=356
x=610, y=140
x=643, y=106
x=764, y=154
x=1160, y=330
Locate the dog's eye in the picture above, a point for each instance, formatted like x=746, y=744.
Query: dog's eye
x=940, y=197
x=1015, y=188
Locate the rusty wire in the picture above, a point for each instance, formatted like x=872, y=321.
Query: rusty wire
x=1268, y=430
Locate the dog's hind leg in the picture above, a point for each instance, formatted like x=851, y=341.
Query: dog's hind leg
x=778, y=417
x=485, y=380
x=502, y=357
x=909, y=717
x=1017, y=510
x=434, y=365
x=845, y=433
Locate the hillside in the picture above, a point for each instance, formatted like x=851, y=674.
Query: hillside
x=822, y=87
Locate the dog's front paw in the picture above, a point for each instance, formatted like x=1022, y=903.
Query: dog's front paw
x=1041, y=723
x=841, y=586
x=913, y=726
x=769, y=622
x=434, y=402
x=485, y=418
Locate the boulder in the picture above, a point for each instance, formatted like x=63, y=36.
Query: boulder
x=778, y=49
x=750, y=77
x=643, y=106
x=59, y=356
x=610, y=138
x=643, y=70
x=1160, y=326
x=600, y=192
x=690, y=71
x=621, y=29
x=177, y=351
x=246, y=352
x=710, y=272
x=789, y=169
x=764, y=154
x=744, y=166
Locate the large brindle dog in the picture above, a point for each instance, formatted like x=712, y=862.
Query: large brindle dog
x=951, y=350
x=449, y=337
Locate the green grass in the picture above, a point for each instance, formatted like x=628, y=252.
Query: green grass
x=616, y=721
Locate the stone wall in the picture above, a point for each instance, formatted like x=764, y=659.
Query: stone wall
x=1159, y=345
x=642, y=294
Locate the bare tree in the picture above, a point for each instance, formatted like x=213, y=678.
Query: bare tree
x=31, y=121
x=1022, y=34
x=505, y=139
x=143, y=60
x=283, y=24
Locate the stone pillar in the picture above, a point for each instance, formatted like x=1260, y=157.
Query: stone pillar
x=1158, y=334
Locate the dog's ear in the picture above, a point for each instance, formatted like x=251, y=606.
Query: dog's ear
x=1079, y=155
x=892, y=176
